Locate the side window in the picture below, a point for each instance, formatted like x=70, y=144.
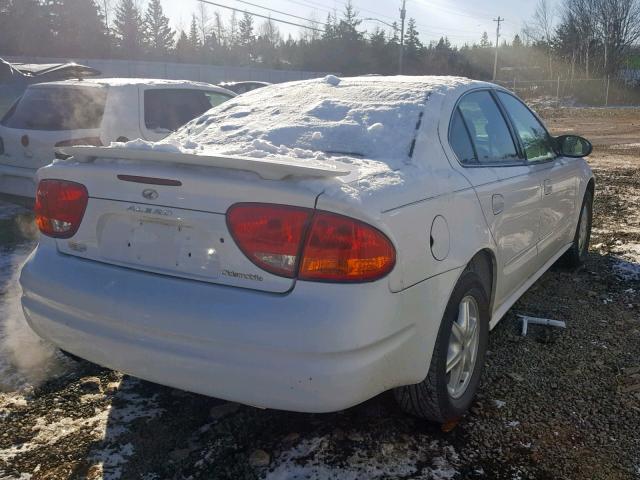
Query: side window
x=535, y=139
x=488, y=129
x=167, y=109
x=460, y=141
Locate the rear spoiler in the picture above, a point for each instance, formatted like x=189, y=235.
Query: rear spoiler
x=266, y=168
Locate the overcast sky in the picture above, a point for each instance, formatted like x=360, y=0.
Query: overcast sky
x=461, y=20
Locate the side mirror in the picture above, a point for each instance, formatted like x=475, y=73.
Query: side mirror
x=573, y=146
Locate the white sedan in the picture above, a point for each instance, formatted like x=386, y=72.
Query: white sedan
x=306, y=246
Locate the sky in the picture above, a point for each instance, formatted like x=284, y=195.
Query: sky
x=462, y=21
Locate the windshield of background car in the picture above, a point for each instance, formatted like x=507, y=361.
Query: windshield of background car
x=58, y=108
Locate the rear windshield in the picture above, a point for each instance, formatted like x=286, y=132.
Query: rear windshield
x=170, y=108
x=58, y=108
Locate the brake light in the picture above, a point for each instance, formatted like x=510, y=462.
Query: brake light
x=59, y=207
x=93, y=141
x=312, y=245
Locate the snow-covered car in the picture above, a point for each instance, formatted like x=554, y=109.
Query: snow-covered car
x=309, y=245
x=93, y=112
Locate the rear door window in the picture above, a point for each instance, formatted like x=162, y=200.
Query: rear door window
x=536, y=141
x=460, y=141
x=58, y=108
x=488, y=129
x=170, y=108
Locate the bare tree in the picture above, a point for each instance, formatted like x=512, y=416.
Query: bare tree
x=541, y=29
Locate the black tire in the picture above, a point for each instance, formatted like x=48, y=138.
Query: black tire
x=430, y=399
x=576, y=256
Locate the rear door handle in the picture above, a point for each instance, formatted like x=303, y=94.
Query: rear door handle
x=548, y=187
x=497, y=204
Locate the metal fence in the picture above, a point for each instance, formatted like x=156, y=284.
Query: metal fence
x=596, y=92
x=178, y=71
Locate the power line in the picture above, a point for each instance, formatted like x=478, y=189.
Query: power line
x=280, y=12
x=263, y=16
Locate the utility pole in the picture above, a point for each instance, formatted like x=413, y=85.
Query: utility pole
x=495, y=62
x=403, y=14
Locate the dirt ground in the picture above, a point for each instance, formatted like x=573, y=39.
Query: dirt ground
x=559, y=404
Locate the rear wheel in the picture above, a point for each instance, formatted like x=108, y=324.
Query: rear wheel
x=458, y=357
x=577, y=254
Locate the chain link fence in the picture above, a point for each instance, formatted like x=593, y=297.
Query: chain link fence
x=590, y=92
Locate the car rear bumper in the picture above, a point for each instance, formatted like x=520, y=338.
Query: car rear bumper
x=319, y=348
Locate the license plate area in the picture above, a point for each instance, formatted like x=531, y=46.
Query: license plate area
x=166, y=246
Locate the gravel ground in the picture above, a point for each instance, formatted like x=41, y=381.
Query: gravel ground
x=554, y=404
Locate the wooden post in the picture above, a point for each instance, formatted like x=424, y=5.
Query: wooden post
x=606, y=98
x=558, y=92
x=514, y=84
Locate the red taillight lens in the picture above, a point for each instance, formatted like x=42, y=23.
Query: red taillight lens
x=59, y=207
x=93, y=141
x=269, y=235
x=342, y=249
x=314, y=245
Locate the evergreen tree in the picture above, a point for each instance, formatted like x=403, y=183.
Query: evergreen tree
x=25, y=28
x=128, y=28
x=194, y=37
x=158, y=36
x=185, y=51
x=78, y=28
x=517, y=42
x=413, y=48
x=246, y=37
x=484, y=40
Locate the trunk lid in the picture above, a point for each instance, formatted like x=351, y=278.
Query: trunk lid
x=178, y=228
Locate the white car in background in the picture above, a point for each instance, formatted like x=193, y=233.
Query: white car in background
x=309, y=245
x=92, y=112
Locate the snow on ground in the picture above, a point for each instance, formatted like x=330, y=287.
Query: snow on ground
x=313, y=459
x=626, y=263
x=110, y=421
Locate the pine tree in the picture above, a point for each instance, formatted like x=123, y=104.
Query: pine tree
x=158, y=36
x=246, y=37
x=128, y=27
x=185, y=52
x=517, y=42
x=194, y=37
x=484, y=40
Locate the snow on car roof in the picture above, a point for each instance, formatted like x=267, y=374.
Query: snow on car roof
x=373, y=118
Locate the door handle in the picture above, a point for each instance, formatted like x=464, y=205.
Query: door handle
x=548, y=187
x=497, y=204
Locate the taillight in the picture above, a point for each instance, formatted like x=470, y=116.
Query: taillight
x=59, y=207
x=270, y=235
x=342, y=249
x=93, y=141
x=1, y=146
x=312, y=245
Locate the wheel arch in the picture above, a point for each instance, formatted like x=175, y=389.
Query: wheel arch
x=484, y=264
